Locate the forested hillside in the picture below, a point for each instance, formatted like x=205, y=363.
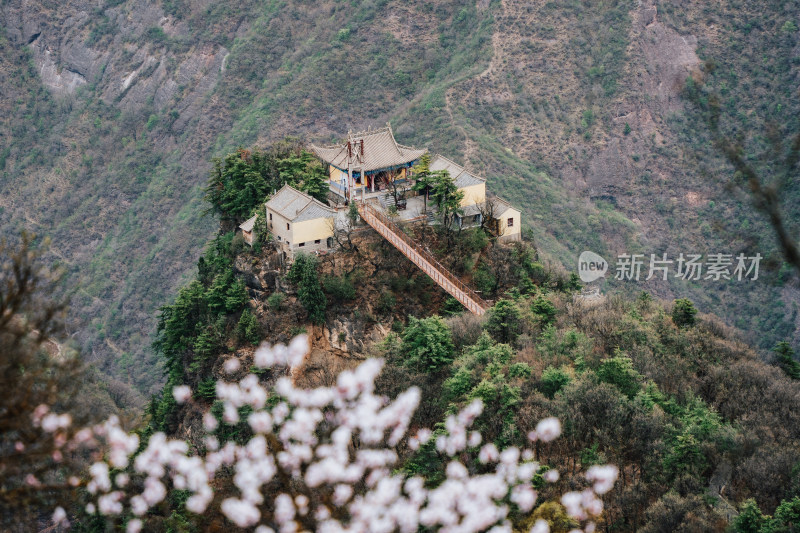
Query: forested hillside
x=573, y=110
x=703, y=433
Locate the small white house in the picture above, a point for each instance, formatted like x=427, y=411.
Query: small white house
x=299, y=222
x=247, y=230
x=506, y=220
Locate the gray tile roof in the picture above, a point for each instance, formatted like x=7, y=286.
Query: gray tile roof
x=297, y=206
x=314, y=210
x=501, y=206
x=380, y=150
x=461, y=176
x=472, y=210
x=248, y=224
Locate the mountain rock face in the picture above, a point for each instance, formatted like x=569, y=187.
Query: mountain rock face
x=113, y=109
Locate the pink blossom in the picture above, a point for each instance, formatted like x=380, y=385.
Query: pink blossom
x=541, y=526
x=59, y=515
x=284, y=508
x=240, y=512
x=317, y=431
x=548, y=429
x=109, y=504
x=53, y=422
x=572, y=503
x=181, y=393
x=210, y=422
x=39, y=412
x=603, y=477
x=134, y=526
x=488, y=453
x=524, y=496
x=231, y=366
x=260, y=422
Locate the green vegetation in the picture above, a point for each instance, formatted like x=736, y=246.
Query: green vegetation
x=197, y=325
x=504, y=321
x=786, y=361
x=309, y=290
x=671, y=406
x=243, y=180
x=427, y=344
x=683, y=312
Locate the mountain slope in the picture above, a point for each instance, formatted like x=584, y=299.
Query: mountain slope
x=114, y=111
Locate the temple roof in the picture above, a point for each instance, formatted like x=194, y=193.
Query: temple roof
x=298, y=206
x=380, y=150
x=461, y=176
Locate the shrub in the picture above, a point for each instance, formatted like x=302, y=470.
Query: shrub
x=427, y=344
x=304, y=274
x=340, y=288
x=386, y=302
x=248, y=329
x=619, y=371
x=785, y=359
x=544, y=309
x=683, y=312
x=485, y=280
x=504, y=321
x=275, y=300
x=553, y=380
x=452, y=307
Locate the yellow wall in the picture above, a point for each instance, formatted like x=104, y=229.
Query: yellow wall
x=311, y=230
x=277, y=226
x=336, y=174
x=503, y=228
x=474, y=194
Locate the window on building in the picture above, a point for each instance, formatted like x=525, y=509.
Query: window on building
x=270, y=216
x=330, y=242
x=287, y=225
x=301, y=244
x=510, y=223
x=317, y=241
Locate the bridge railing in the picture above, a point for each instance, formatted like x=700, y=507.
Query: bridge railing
x=410, y=246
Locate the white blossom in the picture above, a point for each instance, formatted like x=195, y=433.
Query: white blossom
x=340, y=439
x=548, y=429
x=603, y=477
x=541, y=526
x=240, y=512
x=181, y=393
x=60, y=516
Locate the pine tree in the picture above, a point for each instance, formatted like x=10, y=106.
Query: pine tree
x=785, y=359
x=309, y=290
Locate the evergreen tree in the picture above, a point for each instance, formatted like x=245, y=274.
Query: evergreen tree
x=446, y=195
x=544, y=309
x=428, y=344
x=619, y=371
x=683, y=312
x=785, y=359
x=553, y=380
x=425, y=179
x=504, y=321
x=309, y=290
